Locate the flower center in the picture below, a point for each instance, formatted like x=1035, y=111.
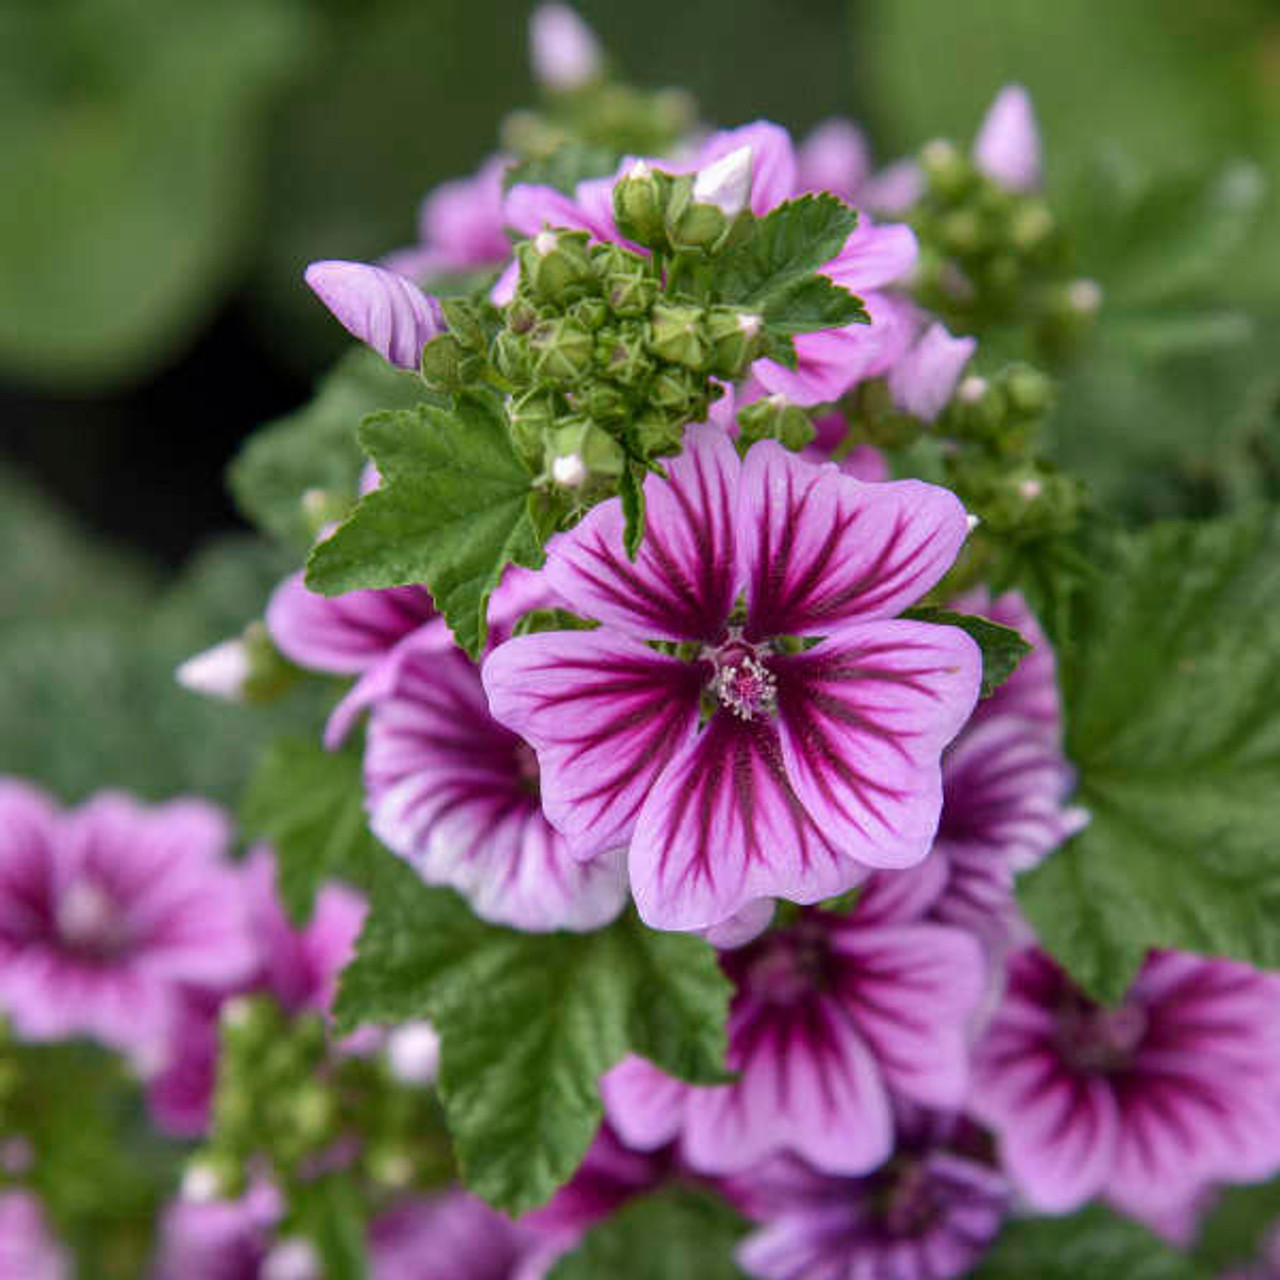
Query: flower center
x=908, y=1200
x=88, y=920
x=742, y=683
x=789, y=966
x=1094, y=1039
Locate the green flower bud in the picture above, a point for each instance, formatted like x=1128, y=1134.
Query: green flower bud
x=962, y=232
x=522, y=313
x=774, y=418
x=447, y=365
x=465, y=320
x=678, y=393
x=657, y=436
x=640, y=203
x=737, y=338
x=532, y=416
x=556, y=265
x=582, y=457
x=1031, y=225
x=269, y=672
x=1029, y=391
x=511, y=356
x=562, y=352
x=677, y=334
x=948, y=174
x=590, y=313
x=601, y=401
x=621, y=354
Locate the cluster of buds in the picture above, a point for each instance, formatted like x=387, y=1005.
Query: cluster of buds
x=604, y=358
x=290, y=1107
x=990, y=254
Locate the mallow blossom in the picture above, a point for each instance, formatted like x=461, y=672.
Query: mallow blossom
x=776, y=745
x=832, y=1019
x=1144, y=1103
x=107, y=909
x=928, y=1215
x=28, y=1249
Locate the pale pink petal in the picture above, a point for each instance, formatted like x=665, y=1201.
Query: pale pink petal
x=894, y=189
x=808, y=1085
x=873, y=257
x=723, y=826
x=743, y=926
x=911, y=991
x=644, y=1105
x=605, y=713
x=530, y=207
x=826, y=549
x=773, y=161
x=1007, y=148
x=343, y=635
x=922, y=382
x=834, y=157
x=683, y=583
x=564, y=50
x=379, y=307
x=863, y=718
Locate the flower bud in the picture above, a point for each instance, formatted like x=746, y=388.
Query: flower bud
x=1029, y=391
x=562, y=352
x=737, y=339
x=511, y=356
x=946, y=171
x=579, y=453
x=656, y=436
x=590, y=313
x=677, y=335
x=725, y=183
x=693, y=227
x=775, y=418
x=621, y=355
x=564, y=50
x=293, y=1258
x=413, y=1053
x=447, y=365
x=602, y=401
x=522, y=313
x=532, y=416
x=464, y=318
x=220, y=672
x=640, y=204
x=556, y=265
x=1031, y=225
x=678, y=393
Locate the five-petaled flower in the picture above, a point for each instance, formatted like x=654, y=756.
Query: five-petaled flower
x=751, y=716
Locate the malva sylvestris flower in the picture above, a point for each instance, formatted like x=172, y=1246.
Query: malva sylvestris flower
x=745, y=762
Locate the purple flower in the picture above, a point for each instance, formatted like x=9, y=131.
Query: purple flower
x=459, y=227
x=831, y=1019
x=454, y=1235
x=105, y=910
x=929, y=1214
x=924, y=378
x=1007, y=147
x=28, y=1250
x=744, y=764
x=457, y=795
x=380, y=307
x=1143, y=1103
x=299, y=967
x=565, y=52
x=217, y=1239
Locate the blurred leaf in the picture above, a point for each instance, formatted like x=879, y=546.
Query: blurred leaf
x=316, y=447
x=564, y=168
x=1236, y=1229
x=1089, y=1245
x=309, y=803
x=675, y=1234
x=131, y=150
x=1173, y=724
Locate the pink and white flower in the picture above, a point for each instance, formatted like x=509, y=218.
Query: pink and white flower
x=832, y=1019
x=106, y=910
x=746, y=764
x=1144, y=1103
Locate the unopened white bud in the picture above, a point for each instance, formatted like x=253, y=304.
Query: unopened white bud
x=1030, y=490
x=413, y=1053
x=726, y=183
x=749, y=323
x=972, y=521
x=545, y=243
x=639, y=170
x=201, y=1184
x=971, y=389
x=569, y=471
x=220, y=672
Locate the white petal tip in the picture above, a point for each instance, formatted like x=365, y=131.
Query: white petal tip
x=221, y=672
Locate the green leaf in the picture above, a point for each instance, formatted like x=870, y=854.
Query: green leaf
x=676, y=1234
x=1002, y=647
x=1236, y=1230
x=1093, y=1243
x=452, y=512
x=316, y=447
x=309, y=803
x=1174, y=726
x=774, y=269
x=631, y=491
x=529, y=1023
x=333, y=1215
